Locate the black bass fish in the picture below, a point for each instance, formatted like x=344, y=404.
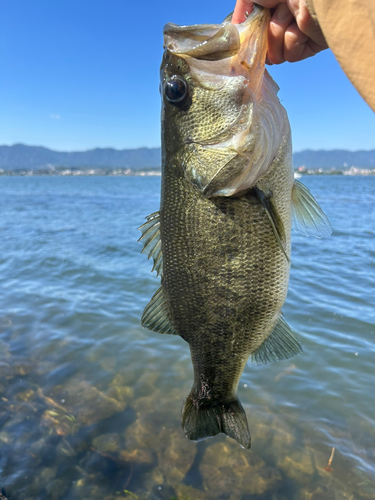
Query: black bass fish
x=221, y=239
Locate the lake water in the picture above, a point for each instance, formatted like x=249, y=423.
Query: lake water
x=90, y=401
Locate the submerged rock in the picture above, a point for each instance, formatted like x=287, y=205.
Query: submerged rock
x=83, y=489
x=157, y=476
x=140, y=435
x=61, y=423
x=47, y=474
x=226, y=468
x=6, y=437
x=27, y=395
x=283, y=435
x=85, y=402
x=140, y=456
x=219, y=480
x=57, y=488
x=185, y=492
x=92, y=405
x=122, y=394
x=109, y=363
x=108, y=443
x=65, y=450
x=314, y=492
x=298, y=465
x=146, y=384
x=175, y=455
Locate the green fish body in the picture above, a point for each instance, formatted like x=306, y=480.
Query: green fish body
x=221, y=240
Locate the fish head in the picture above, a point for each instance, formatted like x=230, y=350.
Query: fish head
x=220, y=111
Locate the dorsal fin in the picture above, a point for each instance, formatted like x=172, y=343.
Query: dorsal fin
x=156, y=317
x=152, y=242
x=307, y=216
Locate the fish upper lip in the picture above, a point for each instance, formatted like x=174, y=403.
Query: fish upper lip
x=188, y=40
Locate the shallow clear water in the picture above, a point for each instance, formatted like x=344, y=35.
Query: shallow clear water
x=90, y=402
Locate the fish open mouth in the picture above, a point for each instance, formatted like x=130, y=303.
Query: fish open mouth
x=242, y=46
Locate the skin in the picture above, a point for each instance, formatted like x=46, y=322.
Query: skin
x=293, y=34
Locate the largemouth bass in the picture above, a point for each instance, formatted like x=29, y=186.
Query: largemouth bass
x=221, y=240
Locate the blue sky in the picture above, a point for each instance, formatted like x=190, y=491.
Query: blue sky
x=78, y=74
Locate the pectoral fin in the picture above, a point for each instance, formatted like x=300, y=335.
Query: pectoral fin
x=275, y=219
x=156, y=317
x=307, y=216
x=280, y=344
x=152, y=242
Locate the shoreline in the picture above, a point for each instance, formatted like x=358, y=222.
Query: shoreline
x=157, y=173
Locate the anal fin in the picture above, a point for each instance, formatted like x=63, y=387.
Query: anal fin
x=156, y=317
x=280, y=344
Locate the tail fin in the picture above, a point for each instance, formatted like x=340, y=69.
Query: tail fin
x=200, y=422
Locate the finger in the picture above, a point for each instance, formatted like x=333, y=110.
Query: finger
x=294, y=43
x=280, y=21
x=308, y=26
x=270, y=3
x=242, y=7
x=298, y=46
x=303, y=50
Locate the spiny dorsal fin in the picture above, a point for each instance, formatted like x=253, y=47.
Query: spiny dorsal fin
x=307, y=216
x=156, y=317
x=152, y=242
x=280, y=344
x=275, y=219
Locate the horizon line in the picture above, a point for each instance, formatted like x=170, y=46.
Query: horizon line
x=158, y=147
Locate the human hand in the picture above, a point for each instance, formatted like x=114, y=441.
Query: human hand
x=293, y=35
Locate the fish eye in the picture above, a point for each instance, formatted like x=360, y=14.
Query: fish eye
x=175, y=90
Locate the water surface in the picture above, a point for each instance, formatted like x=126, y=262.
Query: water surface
x=90, y=401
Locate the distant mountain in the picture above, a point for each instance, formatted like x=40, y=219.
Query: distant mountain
x=25, y=157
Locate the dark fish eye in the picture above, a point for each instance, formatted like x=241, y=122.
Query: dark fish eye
x=175, y=90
